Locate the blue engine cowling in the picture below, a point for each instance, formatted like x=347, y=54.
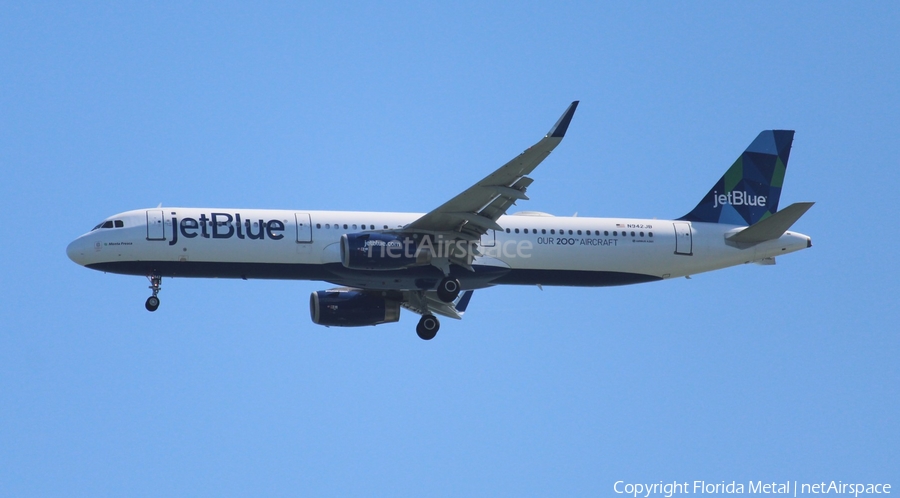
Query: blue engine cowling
x=351, y=308
x=377, y=251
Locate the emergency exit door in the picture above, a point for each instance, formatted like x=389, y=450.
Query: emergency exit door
x=304, y=227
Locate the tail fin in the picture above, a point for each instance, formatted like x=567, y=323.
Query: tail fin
x=750, y=189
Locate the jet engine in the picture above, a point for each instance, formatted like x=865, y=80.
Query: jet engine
x=351, y=308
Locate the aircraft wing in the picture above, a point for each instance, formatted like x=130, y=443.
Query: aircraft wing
x=428, y=302
x=475, y=211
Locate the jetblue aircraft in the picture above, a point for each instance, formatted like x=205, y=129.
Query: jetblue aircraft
x=431, y=263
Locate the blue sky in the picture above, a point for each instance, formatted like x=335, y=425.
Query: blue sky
x=764, y=373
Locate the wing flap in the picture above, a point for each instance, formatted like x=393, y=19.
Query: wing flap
x=428, y=302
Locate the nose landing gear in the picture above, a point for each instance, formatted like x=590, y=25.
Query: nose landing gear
x=153, y=302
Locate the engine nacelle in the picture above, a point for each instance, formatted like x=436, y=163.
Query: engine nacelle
x=351, y=308
x=378, y=251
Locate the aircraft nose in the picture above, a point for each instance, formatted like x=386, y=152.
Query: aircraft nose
x=76, y=251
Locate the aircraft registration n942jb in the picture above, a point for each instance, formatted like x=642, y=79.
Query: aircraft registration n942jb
x=431, y=263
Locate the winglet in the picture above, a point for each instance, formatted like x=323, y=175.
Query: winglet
x=559, y=129
x=463, y=302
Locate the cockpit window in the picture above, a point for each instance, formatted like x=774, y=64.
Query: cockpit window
x=109, y=224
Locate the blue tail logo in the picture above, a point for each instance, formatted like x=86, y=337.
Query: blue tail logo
x=750, y=189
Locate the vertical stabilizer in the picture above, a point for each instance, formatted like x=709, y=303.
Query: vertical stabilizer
x=750, y=189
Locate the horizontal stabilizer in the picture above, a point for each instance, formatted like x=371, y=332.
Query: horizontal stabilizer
x=772, y=227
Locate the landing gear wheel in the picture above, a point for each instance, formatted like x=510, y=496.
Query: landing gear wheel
x=155, y=285
x=428, y=327
x=448, y=289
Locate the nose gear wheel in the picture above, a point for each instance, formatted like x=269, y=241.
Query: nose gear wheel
x=155, y=285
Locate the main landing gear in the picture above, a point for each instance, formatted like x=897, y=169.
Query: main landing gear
x=448, y=289
x=428, y=327
x=153, y=302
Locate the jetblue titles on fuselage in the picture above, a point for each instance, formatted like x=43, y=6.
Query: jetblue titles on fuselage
x=225, y=226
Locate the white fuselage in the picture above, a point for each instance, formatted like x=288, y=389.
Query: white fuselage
x=530, y=250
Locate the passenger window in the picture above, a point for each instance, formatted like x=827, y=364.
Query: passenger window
x=507, y=230
x=517, y=230
x=606, y=233
x=615, y=233
x=552, y=231
x=354, y=226
x=579, y=232
x=570, y=232
x=328, y=225
x=385, y=227
x=318, y=225
x=345, y=226
x=632, y=234
x=642, y=234
x=650, y=234
x=543, y=230
x=525, y=230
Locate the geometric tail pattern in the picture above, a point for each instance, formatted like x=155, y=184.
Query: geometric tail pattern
x=750, y=189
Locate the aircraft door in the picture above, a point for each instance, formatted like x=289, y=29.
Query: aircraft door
x=304, y=227
x=684, y=241
x=156, y=229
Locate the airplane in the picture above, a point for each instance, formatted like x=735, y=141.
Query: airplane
x=431, y=263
